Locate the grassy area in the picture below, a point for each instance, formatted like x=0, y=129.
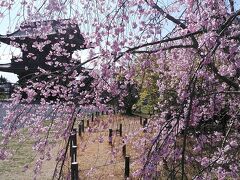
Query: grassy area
x=22, y=154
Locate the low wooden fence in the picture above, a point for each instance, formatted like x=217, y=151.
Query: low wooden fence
x=73, y=146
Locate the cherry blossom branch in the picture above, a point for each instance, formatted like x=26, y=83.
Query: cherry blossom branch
x=228, y=22
x=223, y=78
x=130, y=50
x=174, y=20
x=186, y=130
x=163, y=49
x=219, y=156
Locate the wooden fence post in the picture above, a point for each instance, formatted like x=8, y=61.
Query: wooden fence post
x=110, y=136
x=92, y=117
x=70, y=144
x=120, y=130
x=145, y=124
x=97, y=113
x=74, y=171
x=74, y=154
x=82, y=122
x=127, y=167
x=141, y=120
x=73, y=141
x=74, y=130
x=87, y=123
x=124, y=151
x=80, y=130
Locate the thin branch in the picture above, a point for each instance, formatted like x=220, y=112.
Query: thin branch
x=130, y=50
x=223, y=78
x=228, y=22
x=163, y=49
x=231, y=2
x=186, y=130
x=173, y=19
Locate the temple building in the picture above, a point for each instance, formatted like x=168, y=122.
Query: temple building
x=45, y=45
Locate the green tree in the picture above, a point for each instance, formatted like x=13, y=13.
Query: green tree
x=147, y=79
x=3, y=81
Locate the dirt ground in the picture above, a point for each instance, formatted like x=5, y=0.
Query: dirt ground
x=96, y=158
